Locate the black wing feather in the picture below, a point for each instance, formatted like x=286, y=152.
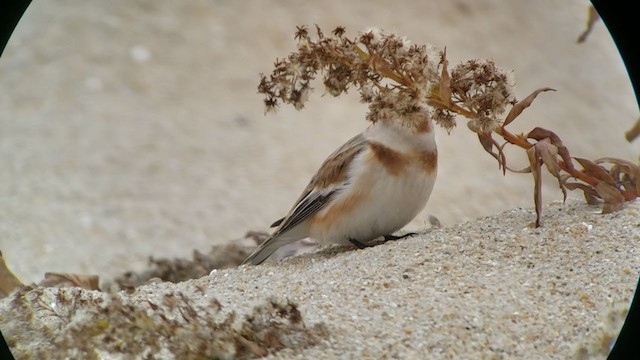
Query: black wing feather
x=307, y=207
x=277, y=222
x=311, y=201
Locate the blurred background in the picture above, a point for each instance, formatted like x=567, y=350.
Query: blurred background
x=133, y=128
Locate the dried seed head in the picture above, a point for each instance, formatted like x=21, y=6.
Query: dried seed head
x=302, y=32
x=444, y=118
x=339, y=31
x=395, y=78
x=483, y=125
x=481, y=87
x=270, y=105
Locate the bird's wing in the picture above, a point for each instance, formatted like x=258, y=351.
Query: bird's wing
x=330, y=179
x=277, y=222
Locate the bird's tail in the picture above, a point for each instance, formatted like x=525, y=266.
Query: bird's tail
x=272, y=244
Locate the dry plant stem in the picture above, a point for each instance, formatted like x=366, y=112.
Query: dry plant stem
x=8, y=281
x=578, y=174
x=436, y=101
x=634, y=132
x=569, y=168
x=381, y=66
x=592, y=18
x=512, y=139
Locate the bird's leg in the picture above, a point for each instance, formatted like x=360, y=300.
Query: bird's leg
x=397, y=237
x=359, y=244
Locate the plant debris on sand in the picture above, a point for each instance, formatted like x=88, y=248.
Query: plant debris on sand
x=81, y=324
x=176, y=270
x=72, y=322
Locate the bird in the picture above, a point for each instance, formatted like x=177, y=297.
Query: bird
x=371, y=186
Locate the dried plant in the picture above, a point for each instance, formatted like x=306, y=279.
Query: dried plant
x=72, y=318
x=8, y=281
x=89, y=282
x=634, y=132
x=403, y=82
x=592, y=18
x=73, y=323
x=201, y=264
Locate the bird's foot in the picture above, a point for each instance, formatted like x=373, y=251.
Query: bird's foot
x=359, y=244
x=398, y=237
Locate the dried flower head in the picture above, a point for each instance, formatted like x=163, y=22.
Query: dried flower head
x=391, y=75
x=444, y=118
x=339, y=31
x=483, y=125
x=484, y=89
x=399, y=81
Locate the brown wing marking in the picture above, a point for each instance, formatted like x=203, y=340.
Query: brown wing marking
x=324, y=185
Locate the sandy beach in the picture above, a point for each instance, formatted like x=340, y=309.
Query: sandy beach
x=131, y=129
x=491, y=288
x=134, y=129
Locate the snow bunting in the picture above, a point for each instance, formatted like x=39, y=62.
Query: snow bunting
x=372, y=186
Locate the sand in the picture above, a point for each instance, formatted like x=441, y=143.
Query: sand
x=131, y=129
x=491, y=288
